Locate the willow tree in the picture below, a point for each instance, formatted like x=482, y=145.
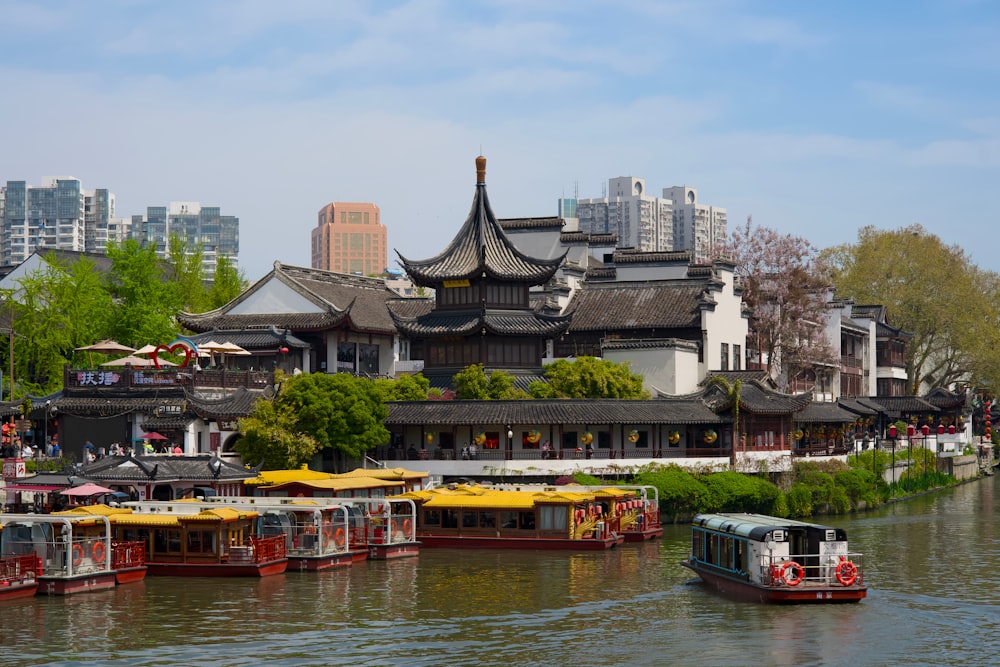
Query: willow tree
x=785, y=289
x=932, y=291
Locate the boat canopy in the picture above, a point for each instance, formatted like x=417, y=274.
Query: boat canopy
x=758, y=527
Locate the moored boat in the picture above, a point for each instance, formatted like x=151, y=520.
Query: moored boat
x=470, y=516
x=18, y=576
x=180, y=540
x=74, y=552
x=761, y=558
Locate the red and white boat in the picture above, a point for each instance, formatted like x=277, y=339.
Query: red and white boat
x=74, y=552
x=761, y=558
x=17, y=577
x=180, y=540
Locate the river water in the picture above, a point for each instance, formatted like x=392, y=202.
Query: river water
x=931, y=564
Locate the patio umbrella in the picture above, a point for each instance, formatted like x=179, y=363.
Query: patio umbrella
x=133, y=360
x=86, y=490
x=106, y=346
x=234, y=349
x=148, y=348
x=153, y=435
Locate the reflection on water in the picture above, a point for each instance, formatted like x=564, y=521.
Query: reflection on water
x=930, y=565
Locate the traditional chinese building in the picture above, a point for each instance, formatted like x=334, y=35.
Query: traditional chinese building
x=481, y=313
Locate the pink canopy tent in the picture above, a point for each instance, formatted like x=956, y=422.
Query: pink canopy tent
x=86, y=490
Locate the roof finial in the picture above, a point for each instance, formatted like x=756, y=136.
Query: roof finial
x=480, y=169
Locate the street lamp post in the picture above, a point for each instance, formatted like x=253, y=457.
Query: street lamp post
x=925, y=430
x=911, y=431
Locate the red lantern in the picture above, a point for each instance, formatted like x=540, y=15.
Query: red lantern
x=940, y=429
x=283, y=350
x=910, y=430
x=892, y=431
x=951, y=429
x=925, y=430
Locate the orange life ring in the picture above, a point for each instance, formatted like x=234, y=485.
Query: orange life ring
x=98, y=552
x=394, y=526
x=338, y=537
x=77, y=555
x=847, y=572
x=328, y=531
x=792, y=573
x=406, y=526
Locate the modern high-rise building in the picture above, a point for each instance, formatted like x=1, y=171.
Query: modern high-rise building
x=676, y=221
x=697, y=227
x=58, y=214
x=641, y=221
x=350, y=238
x=218, y=235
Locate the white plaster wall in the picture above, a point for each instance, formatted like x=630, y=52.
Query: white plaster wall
x=274, y=297
x=724, y=324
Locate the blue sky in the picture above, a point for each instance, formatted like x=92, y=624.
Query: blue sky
x=816, y=118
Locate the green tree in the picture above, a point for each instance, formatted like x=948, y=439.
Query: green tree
x=931, y=291
x=472, y=383
x=187, y=266
x=315, y=411
x=404, y=388
x=228, y=283
x=54, y=310
x=589, y=377
x=145, y=305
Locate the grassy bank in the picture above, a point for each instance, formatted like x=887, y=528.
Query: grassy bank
x=810, y=488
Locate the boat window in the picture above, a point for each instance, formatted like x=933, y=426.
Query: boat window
x=470, y=519
x=487, y=519
x=526, y=520
x=508, y=519
x=553, y=517
x=698, y=544
x=201, y=542
x=449, y=519
x=432, y=518
x=726, y=552
x=741, y=555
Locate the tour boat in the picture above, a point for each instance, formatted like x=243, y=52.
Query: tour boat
x=318, y=536
x=180, y=540
x=761, y=558
x=375, y=528
x=18, y=576
x=470, y=516
x=73, y=553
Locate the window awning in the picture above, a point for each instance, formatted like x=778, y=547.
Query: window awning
x=38, y=488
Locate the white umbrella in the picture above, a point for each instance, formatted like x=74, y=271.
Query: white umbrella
x=148, y=348
x=234, y=349
x=138, y=362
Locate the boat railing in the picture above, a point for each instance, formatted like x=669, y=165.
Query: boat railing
x=265, y=549
x=125, y=555
x=813, y=569
x=15, y=569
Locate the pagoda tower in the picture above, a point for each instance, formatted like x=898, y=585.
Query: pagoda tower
x=482, y=312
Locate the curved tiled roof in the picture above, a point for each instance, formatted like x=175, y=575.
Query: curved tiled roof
x=567, y=411
x=481, y=248
x=464, y=323
x=637, y=306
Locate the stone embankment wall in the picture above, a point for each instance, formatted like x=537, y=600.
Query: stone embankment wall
x=959, y=467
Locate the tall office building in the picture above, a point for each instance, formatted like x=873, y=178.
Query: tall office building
x=676, y=221
x=218, y=235
x=350, y=238
x=58, y=214
x=697, y=227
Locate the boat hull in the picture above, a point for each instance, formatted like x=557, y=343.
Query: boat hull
x=539, y=543
x=81, y=583
x=642, y=535
x=16, y=590
x=320, y=563
x=129, y=575
x=805, y=593
x=394, y=550
x=264, y=569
